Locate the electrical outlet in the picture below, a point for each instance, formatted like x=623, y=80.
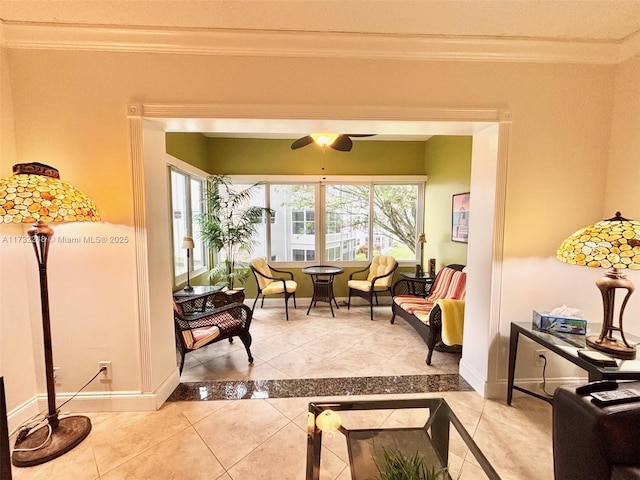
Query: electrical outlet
x=537, y=360
x=56, y=375
x=106, y=375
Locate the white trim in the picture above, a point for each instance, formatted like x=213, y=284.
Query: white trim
x=142, y=272
x=331, y=179
x=46, y=36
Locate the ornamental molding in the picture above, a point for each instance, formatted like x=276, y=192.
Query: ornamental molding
x=44, y=36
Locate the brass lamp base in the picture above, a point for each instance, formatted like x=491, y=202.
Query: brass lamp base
x=612, y=347
x=69, y=433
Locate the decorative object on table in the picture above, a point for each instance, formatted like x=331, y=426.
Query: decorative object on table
x=187, y=243
x=460, y=217
x=418, y=270
x=560, y=320
x=613, y=244
x=432, y=267
x=35, y=194
x=422, y=239
x=229, y=227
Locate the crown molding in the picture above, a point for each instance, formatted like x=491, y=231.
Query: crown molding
x=41, y=36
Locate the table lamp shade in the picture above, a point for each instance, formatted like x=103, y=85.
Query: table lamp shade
x=35, y=192
x=187, y=242
x=613, y=244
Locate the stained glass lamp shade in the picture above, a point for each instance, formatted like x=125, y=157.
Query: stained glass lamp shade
x=36, y=194
x=613, y=244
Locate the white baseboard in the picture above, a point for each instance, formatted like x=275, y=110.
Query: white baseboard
x=498, y=390
x=118, y=401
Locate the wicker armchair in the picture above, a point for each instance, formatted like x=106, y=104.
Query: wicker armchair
x=379, y=278
x=268, y=284
x=195, y=330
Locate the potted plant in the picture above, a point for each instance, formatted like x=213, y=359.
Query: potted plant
x=393, y=465
x=229, y=226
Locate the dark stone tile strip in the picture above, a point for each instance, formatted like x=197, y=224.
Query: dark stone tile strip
x=316, y=387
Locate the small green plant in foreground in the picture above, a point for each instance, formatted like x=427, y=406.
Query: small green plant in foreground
x=393, y=465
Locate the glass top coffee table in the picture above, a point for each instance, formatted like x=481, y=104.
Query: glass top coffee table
x=363, y=433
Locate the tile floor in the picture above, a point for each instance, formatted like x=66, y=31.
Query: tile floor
x=265, y=438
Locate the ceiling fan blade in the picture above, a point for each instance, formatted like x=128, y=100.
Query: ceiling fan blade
x=361, y=135
x=343, y=144
x=301, y=142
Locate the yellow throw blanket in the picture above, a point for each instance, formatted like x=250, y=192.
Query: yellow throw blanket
x=452, y=320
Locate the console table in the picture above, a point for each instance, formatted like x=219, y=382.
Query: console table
x=567, y=345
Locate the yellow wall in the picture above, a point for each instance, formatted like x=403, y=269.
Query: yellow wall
x=448, y=164
x=70, y=110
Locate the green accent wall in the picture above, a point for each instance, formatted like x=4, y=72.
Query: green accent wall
x=192, y=148
x=241, y=156
x=448, y=165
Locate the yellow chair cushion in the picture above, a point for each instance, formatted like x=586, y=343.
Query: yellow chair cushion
x=260, y=264
x=381, y=265
x=365, y=285
x=278, y=287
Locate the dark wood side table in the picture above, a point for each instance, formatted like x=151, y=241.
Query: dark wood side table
x=322, y=278
x=204, y=297
x=418, y=284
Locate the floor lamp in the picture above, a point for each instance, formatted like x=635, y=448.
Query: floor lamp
x=189, y=245
x=35, y=194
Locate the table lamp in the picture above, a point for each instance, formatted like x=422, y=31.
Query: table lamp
x=35, y=194
x=613, y=244
x=187, y=242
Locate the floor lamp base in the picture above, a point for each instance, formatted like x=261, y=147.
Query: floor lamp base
x=611, y=346
x=70, y=432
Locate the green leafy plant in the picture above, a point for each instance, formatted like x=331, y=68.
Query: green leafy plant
x=229, y=226
x=393, y=465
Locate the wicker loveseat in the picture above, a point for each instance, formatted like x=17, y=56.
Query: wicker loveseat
x=423, y=310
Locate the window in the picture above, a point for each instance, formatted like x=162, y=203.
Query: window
x=297, y=233
x=342, y=221
x=187, y=193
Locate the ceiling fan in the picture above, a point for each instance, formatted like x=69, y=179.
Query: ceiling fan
x=338, y=141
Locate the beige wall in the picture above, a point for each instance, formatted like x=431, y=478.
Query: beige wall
x=70, y=110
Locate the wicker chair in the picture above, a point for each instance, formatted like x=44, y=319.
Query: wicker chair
x=379, y=279
x=268, y=284
x=195, y=330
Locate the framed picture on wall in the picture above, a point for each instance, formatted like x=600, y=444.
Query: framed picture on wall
x=460, y=217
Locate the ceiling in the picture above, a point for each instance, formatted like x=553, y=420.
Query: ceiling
x=563, y=20
x=459, y=29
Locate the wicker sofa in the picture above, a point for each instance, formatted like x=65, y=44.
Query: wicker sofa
x=422, y=310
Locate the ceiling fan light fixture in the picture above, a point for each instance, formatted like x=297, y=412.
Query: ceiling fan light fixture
x=324, y=139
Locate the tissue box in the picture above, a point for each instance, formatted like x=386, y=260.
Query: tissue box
x=545, y=322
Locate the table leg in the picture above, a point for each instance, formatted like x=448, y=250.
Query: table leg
x=440, y=434
x=513, y=353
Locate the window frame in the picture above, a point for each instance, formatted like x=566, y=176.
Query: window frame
x=181, y=279
x=320, y=184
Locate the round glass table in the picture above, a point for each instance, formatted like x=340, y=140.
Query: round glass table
x=322, y=277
